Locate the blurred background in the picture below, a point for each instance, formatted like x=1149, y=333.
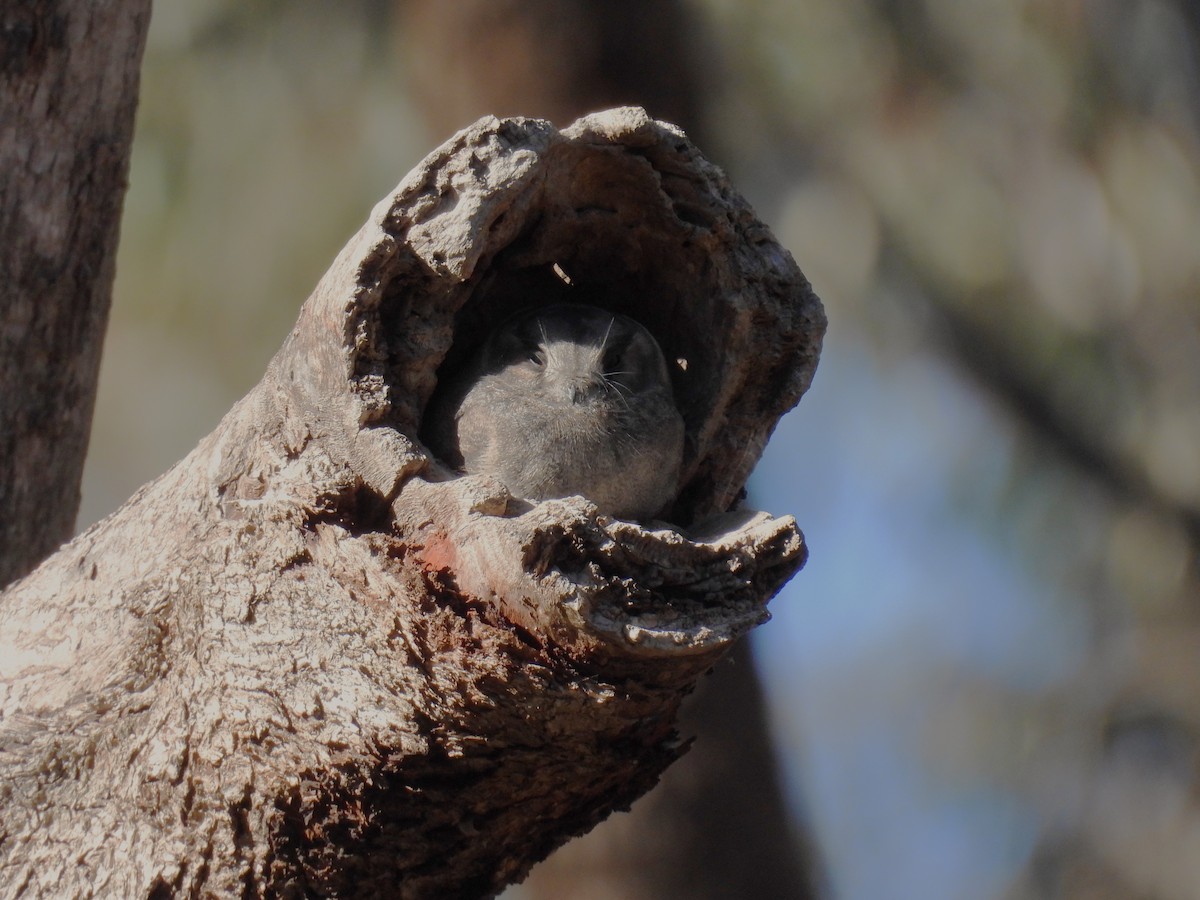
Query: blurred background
x=986, y=682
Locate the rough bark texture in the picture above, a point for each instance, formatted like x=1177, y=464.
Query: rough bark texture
x=688, y=836
x=70, y=78
x=309, y=660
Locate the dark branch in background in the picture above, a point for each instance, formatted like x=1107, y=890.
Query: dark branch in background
x=555, y=59
x=997, y=365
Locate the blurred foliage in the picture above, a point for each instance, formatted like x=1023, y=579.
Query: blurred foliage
x=999, y=202
x=1015, y=187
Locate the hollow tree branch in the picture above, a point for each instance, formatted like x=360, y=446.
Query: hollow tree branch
x=309, y=660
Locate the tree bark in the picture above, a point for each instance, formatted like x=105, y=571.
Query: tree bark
x=310, y=660
x=715, y=827
x=70, y=76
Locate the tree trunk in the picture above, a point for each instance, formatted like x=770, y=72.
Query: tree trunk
x=309, y=660
x=70, y=89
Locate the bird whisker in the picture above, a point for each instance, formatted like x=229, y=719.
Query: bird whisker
x=607, y=332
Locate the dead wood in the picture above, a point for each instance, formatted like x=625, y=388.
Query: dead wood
x=308, y=660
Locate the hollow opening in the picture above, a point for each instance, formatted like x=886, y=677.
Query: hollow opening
x=605, y=229
x=647, y=230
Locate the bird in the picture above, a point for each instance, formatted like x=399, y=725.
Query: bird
x=564, y=400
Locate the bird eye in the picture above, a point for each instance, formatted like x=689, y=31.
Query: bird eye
x=612, y=359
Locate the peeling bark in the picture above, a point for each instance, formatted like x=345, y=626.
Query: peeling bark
x=310, y=660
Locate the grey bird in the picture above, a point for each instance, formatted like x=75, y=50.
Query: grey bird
x=564, y=400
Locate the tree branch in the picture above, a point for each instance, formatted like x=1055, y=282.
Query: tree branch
x=309, y=659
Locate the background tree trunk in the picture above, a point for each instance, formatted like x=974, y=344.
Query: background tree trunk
x=307, y=660
x=70, y=86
